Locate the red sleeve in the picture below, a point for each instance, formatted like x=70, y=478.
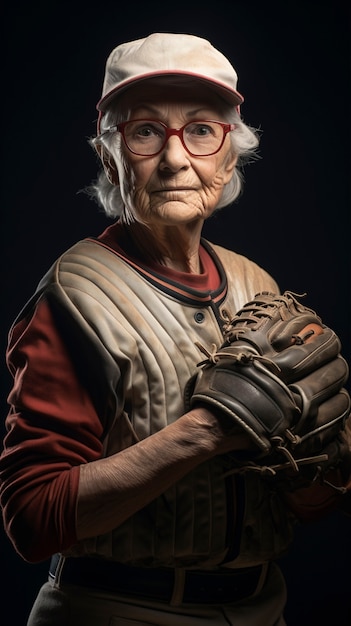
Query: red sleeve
x=52, y=428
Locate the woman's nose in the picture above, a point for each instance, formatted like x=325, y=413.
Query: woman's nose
x=174, y=156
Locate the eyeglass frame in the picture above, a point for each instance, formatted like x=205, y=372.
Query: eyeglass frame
x=226, y=127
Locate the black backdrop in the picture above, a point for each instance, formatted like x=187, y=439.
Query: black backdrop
x=293, y=60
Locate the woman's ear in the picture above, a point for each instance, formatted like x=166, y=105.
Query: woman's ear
x=229, y=166
x=108, y=163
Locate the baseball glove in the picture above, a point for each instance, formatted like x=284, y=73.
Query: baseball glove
x=279, y=376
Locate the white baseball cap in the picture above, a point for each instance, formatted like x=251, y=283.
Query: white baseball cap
x=166, y=55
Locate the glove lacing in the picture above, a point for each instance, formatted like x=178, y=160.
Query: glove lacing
x=253, y=316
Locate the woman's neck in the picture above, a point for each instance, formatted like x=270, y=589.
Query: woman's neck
x=172, y=246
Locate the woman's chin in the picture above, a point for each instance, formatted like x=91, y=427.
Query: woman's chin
x=178, y=212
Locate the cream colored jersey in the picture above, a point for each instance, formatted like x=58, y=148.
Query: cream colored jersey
x=139, y=333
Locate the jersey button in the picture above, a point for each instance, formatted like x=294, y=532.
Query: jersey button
x=199, y=317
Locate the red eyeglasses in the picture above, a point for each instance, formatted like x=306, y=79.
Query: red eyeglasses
x=148, y=137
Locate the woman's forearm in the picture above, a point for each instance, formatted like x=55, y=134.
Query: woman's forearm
x=114, y=488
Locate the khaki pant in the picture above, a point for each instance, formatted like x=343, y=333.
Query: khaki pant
x=75, y=606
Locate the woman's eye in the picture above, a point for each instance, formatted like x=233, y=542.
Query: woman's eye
x=147, y=131
x=202, y=130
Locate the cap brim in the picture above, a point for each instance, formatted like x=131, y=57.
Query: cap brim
x=227, y=93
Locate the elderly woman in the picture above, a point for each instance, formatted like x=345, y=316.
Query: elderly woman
x=104, y=464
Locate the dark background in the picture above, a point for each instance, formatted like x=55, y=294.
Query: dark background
x=293, y=61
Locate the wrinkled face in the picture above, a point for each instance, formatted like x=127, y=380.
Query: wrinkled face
x=173, y=187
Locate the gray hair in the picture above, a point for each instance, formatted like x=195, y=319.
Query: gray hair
x=244, y=141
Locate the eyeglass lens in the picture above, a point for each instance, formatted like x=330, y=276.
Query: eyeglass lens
x=147, y=137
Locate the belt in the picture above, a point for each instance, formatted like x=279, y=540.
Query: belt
x=169, y=585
